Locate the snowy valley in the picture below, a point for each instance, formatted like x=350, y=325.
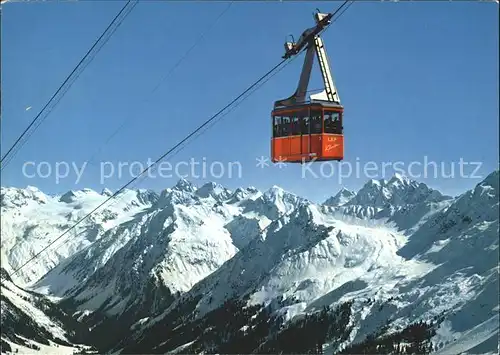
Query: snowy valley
x=394, y=267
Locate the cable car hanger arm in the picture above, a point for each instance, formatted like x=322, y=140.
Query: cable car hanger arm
x=322, y=21
x=313, y=43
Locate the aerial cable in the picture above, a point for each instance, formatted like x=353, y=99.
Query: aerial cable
x=206, y=128
x=56, y=99
x=341, y=13
x=176, y=146
x=280, y=69
x=199, y=133
x=61, y=91
x=162, y=80
x=149, y=167
x=246, y=96
x=219, y=118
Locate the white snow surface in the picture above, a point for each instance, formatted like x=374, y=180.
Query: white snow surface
x=401, y=250
x=444, y=263
x=17, y=303
x=174, y=239
x=32, y=220
x=24, y=302
x=341, y=198
x=53, y=349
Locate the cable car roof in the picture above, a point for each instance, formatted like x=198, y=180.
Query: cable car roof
x=309, y=103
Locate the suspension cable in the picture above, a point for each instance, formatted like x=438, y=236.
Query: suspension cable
x=149, y=167
x=64, y=87
x=213, y=123
x=171, y=150
x=160, y=82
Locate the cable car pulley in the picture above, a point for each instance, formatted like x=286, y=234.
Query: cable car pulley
x=309, y=129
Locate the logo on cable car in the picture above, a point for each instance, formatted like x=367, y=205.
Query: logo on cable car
x=330, y=147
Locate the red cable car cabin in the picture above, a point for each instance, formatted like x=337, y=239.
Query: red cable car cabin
x=308, y=132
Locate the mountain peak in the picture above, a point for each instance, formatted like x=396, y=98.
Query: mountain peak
x=73, y=195
x=492, y=180
x=33, y=189
x=399, y=190
x=212, y=189
x=374, y=182
x=271, y=203
x=275, y=190
x=68, y=197
x=240, y=194
x=106, y=192
x=275, y=193
x=342, y=197
x=184, y=185
x=163, y=268
x=486, y=189
x=399, y=178
x=17, y=196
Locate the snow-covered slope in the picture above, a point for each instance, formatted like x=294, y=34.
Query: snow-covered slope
x=31, y=220
x=399, y=190
x=31, y=322
x=446, y=270
x=157, y=269
x=462, y=242
x=139, y=266
x=401, y=202
x=341, y=198
x=187, y=234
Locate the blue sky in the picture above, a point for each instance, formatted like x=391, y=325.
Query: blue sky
x=419, y=82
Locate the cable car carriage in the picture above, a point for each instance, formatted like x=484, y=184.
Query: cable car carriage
x=309, y=129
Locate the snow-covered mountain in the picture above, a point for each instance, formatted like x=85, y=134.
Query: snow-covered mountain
x=341, y=198
x=177, y=242
x=397, y=191
x=30, y=322
x=197, y=269
x=310, y=259
x=399, y=201
x=31, y=220
x=157, y=250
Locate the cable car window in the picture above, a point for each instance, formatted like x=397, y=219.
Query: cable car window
x=285, y=126
x=277, y=126
x=316, y=121
x=327, y=118
x=305, y=122
x=296, y=124
x=333, y=123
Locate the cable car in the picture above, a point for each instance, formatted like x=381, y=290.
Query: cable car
x=309, y=129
